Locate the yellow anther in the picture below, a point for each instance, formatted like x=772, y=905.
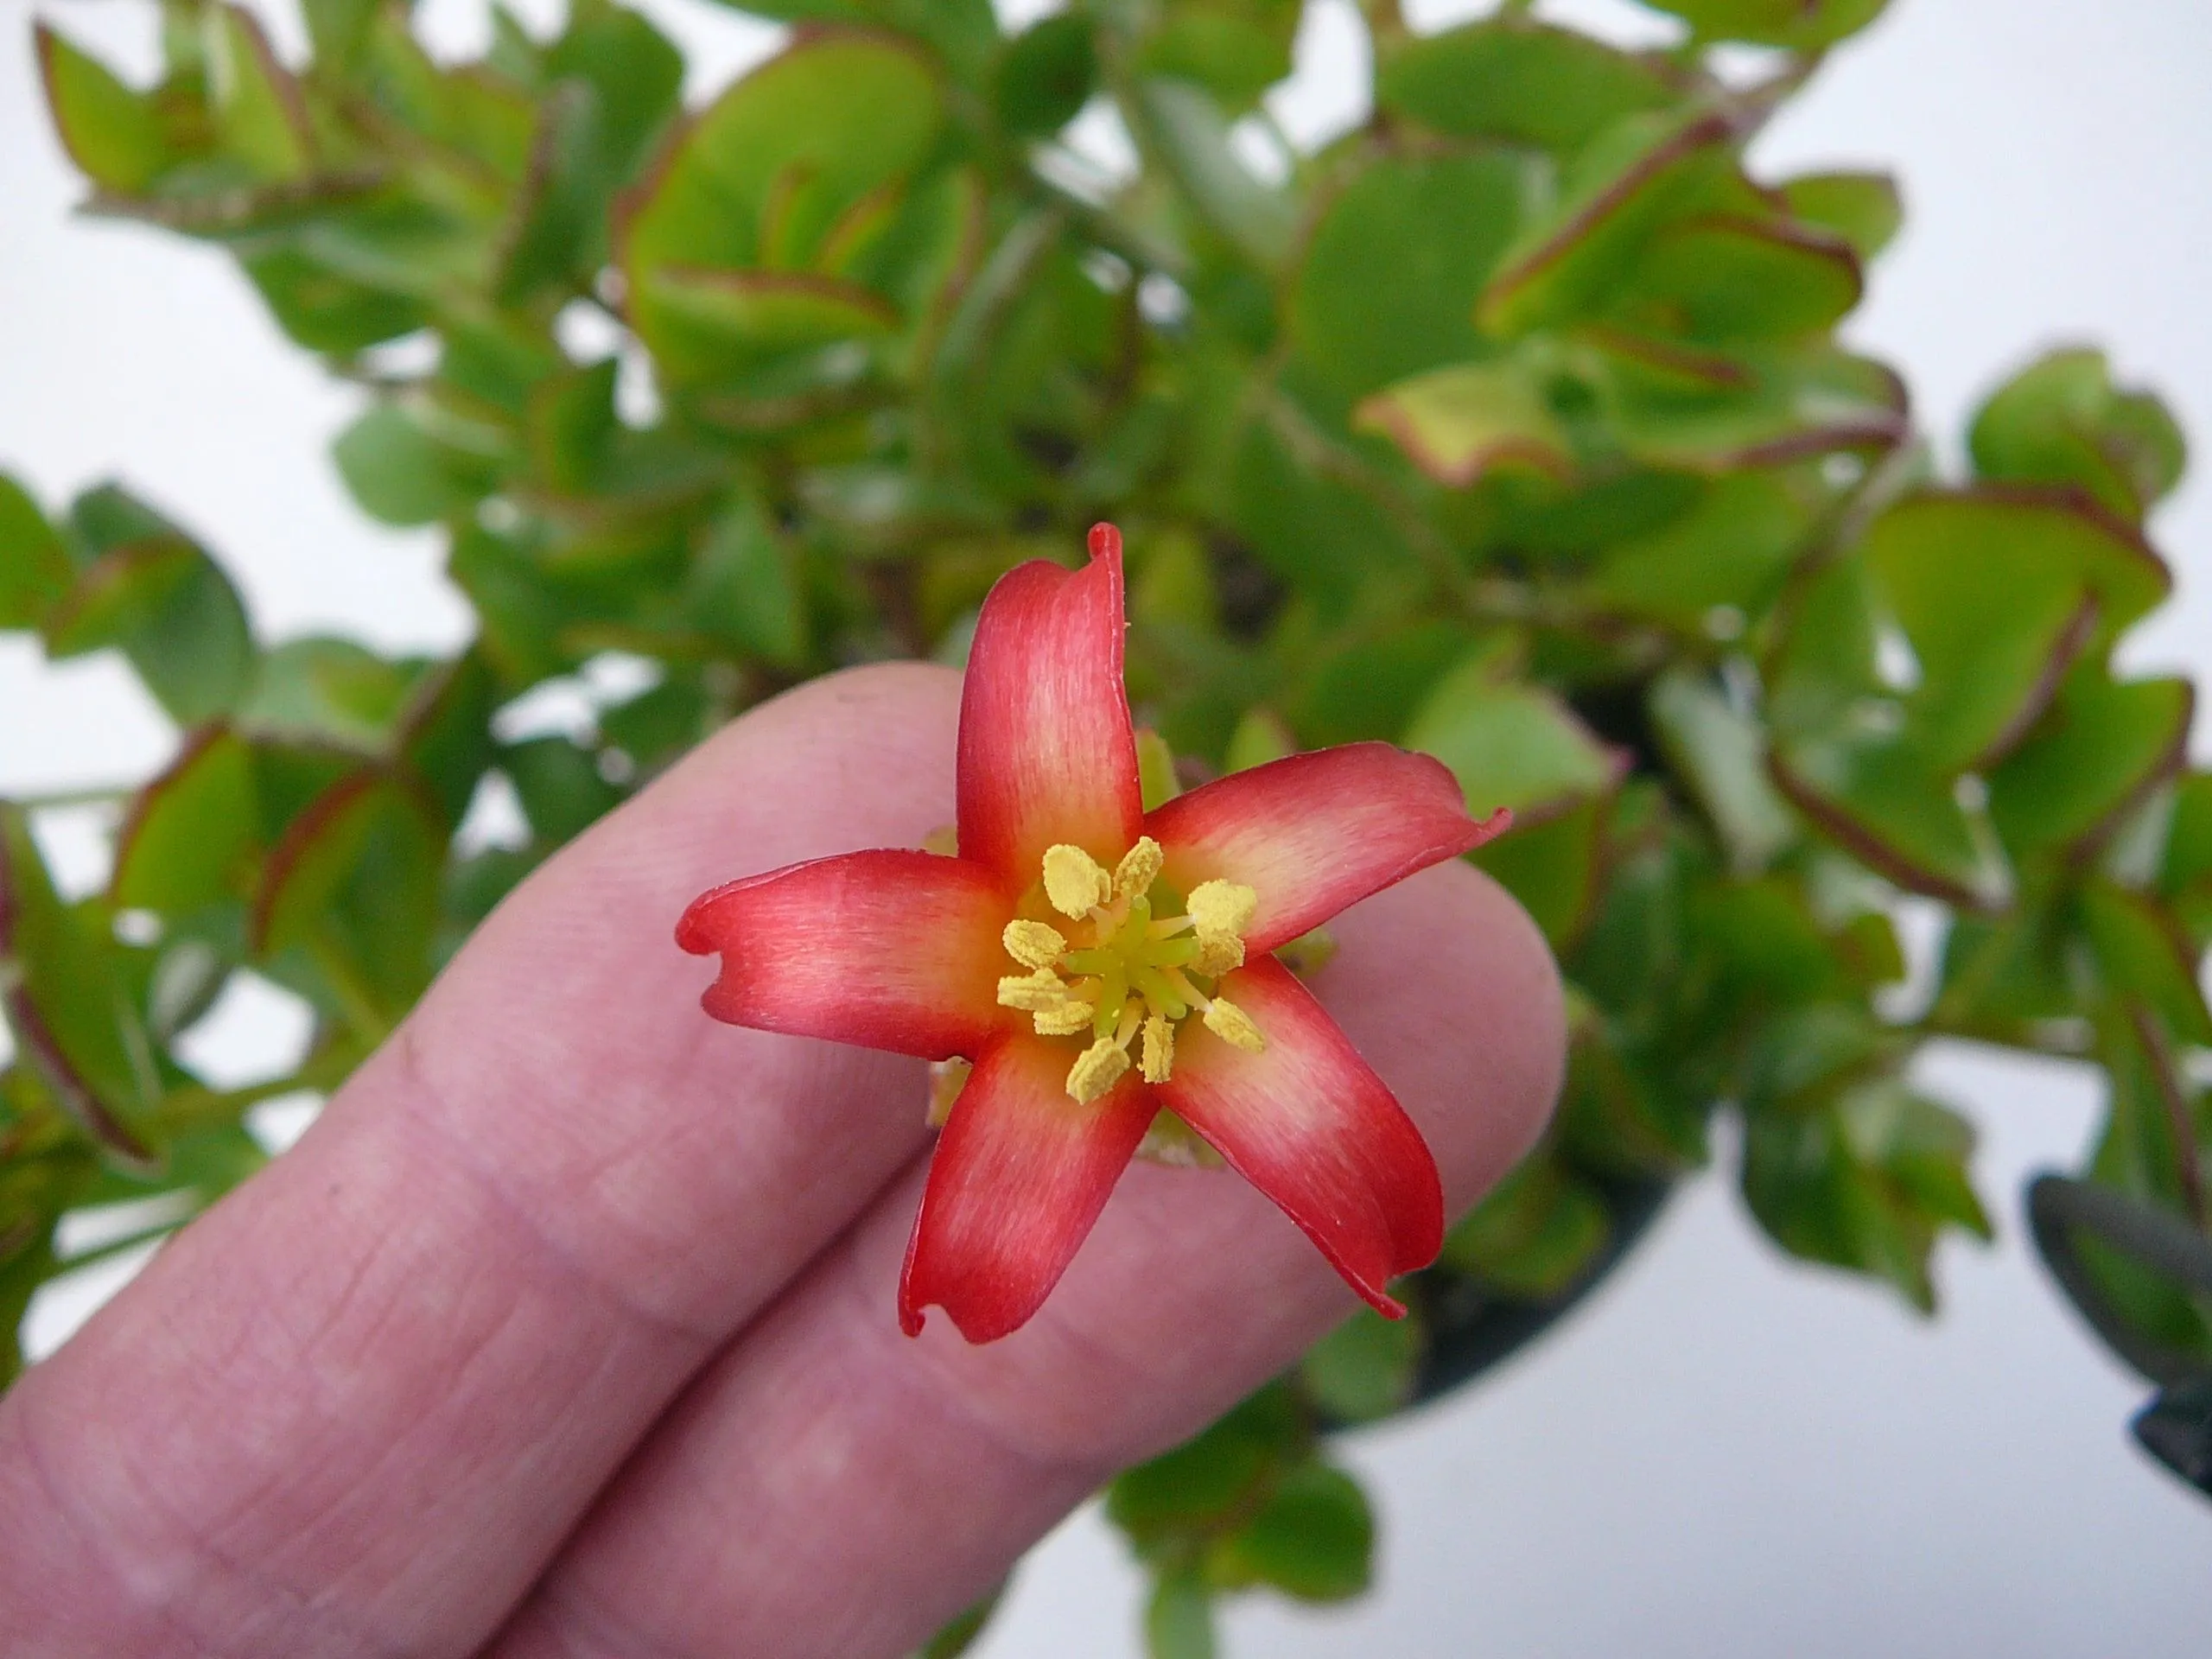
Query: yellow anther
x=1098, y=1069
x=1074, y=881
x=1033, y=944
x=1218, y=953
x=1159, y=1049
x=1066, y=1020
x=1222, y=907
x=1138, y=869
x=1234, y=1026
x=1034, y=993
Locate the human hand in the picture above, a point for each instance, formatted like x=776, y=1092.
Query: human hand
x=569, y=1328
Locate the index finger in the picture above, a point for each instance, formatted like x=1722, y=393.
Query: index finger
x=354, y=1407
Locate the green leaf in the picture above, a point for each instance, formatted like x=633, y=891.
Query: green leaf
x=1461, y=423
x=189, y=832
x=1892, y=808
x=353, y=884
x=2061, y=421
x=1511, y=745
x=1391, y=273
x=1313, y=1538
x=1234, y=48
x=337, y=29
x=2103, y=746
x=1803, y=25
x=2003, y=540
x=1724, y=277
x=1721, y=563
x=744, y=588
x=172, y=612
x=260, y=115
x=1207, y=1477
x=1046, y=75
x=1180, y=122
x=35, y=569
x=22, y=1270
x=1755, y=406
x=1534, y=1235
x=1512, y=79
x=1364, y=1369
x=1865, y=209
x=401, y=474
x=75, y=1022
x=762, y=178
x=752, y=313
x=1370, y=688
x=2142, y=955
x=1554, y=867
x=563, y=793
x=324, y=310
x=445, y=734
x=635, y=70
x=571, y=425
x=2186, y=862
x=1642, y=172
x=325, y=690
x=1719, y=751
x=1865, y=1184
x=113, y=134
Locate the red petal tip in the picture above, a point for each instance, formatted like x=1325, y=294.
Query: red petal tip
x=1105, y=542
x=1489, y=828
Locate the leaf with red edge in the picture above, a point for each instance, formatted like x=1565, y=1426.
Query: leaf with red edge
x=113, y=133
x=1048, y=752
x=64, y=998
x=888, y=949
x=1309, y=1124
x=1460, y=423
x=190, y=829
x=1639, y=174
x=1314, y=833
x=1019, y=1178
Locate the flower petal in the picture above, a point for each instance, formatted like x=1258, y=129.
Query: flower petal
x=1047, y=751
x=1020, y=1175
x=1310, y=1124
x=887, y=948
x=1314, y=833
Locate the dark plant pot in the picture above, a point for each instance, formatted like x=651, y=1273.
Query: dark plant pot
x=1471, y=1328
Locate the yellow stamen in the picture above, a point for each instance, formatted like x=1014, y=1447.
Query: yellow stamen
x=1066, y=1020
x=1159, y=1049
x=1033, y=993
x=1234, y=1026
x=1218, y=953
x=1222, y=907
x=1033, y=944
x=1126, y=969
x=1074, y=881
x=1097, y=1070
x=1138, y=869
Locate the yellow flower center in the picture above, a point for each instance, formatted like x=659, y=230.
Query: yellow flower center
x=1133, y=960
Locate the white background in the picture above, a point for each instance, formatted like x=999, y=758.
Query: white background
x=1726, y=1453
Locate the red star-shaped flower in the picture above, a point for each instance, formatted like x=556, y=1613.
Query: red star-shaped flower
x=1098, y=963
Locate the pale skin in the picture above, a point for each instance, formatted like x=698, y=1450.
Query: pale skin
x=570, y=1329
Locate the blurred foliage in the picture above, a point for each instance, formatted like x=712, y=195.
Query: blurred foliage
x=1512, y=424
